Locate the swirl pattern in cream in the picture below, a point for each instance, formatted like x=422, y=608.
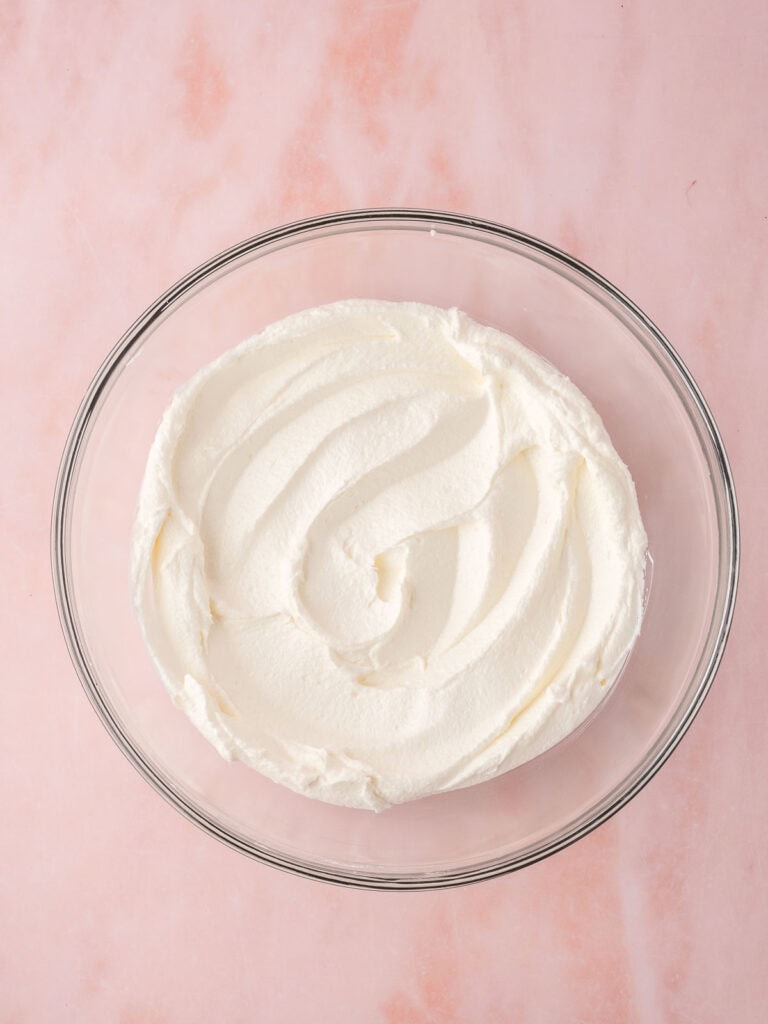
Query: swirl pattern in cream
x=382, y=551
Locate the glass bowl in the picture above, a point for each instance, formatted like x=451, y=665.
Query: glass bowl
x=659, y=424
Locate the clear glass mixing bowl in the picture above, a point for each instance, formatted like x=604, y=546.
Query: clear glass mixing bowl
x=659, y=424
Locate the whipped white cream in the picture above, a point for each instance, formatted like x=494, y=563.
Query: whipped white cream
x=382, y=551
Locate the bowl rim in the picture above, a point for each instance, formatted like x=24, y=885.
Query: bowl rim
x=382, y=217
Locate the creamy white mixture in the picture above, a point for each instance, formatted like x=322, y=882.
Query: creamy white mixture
x=382, y=551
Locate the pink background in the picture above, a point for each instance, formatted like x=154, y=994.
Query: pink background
x=138, y=139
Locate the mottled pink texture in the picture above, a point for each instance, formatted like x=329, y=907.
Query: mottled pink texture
x=138, y=139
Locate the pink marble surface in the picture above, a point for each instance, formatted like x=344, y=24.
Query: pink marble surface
x=136, y=140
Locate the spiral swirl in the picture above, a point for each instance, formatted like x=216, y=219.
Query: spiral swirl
x=382, y=551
